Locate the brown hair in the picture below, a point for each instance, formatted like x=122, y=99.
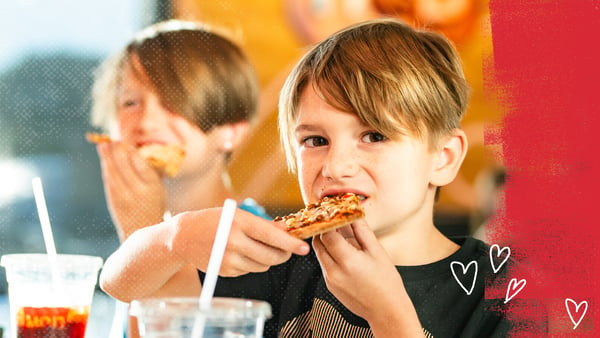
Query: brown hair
x=196, y=70
x=396, y=79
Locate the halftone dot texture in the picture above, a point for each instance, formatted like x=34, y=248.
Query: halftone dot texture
x=546, y=64
x=44, y=114
x=45, y=102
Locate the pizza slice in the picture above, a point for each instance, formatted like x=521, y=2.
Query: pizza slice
x=329, y=213
x=97, y=138
x=166, y=158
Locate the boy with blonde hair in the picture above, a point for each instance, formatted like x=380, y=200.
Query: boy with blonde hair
x=374, y=110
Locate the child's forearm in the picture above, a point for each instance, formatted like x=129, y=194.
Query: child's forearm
x=142, y=265
x=154, y=261
x=184, y=283
x=397, y=329
x=402, y=321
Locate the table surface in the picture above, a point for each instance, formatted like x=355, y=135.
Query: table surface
x=101, y=313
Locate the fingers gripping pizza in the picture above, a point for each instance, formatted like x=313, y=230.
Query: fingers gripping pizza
x=166, y=158
x=329, y=213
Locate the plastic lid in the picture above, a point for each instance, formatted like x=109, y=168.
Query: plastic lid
x=20, y=261
x=234, y=308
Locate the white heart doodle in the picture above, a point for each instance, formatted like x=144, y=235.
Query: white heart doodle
x=569, y=301
x=496, y=251
x=464, y=272
x=515, y=285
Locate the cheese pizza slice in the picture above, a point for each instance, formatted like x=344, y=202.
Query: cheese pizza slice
x=329, y=213
x=166, y=158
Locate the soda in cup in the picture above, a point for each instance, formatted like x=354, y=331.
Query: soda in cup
x=50, y=298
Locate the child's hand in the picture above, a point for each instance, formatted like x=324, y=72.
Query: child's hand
x=135, y=193
x=359, y=272
x=155, y=261
x=254, y=244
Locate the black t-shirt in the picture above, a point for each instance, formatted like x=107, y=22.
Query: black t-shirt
x=303, y=306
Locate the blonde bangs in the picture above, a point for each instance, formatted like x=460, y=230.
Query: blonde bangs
x=416, y=88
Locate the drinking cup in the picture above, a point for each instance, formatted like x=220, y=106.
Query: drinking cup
x=50, y=297
x=176, y=317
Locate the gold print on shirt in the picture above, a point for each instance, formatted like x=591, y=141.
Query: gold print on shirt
x=296, y=327
x=324, y=321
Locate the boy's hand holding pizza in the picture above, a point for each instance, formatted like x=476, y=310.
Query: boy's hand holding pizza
x=356, y=267
x=361, y=275
x=135, y=192
x=132, y=176
x=254, y=244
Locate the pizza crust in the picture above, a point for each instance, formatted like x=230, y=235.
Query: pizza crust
x=165, y=158
x=97, y=138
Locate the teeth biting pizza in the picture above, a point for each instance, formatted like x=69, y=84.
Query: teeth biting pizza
x=329, y=213
x=165, y=158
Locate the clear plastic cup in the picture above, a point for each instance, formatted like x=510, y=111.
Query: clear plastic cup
x=50, y=300
x=175, y=317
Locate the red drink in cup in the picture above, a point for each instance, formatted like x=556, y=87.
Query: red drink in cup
x=50, y=298
x=56, y=322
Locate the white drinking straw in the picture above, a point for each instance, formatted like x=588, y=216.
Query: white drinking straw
x=40, y=202
x=214, y=263
x=216, y=255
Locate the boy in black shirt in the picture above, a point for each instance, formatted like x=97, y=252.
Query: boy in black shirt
x=374, y=110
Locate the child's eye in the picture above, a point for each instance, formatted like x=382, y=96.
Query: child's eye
x=314, y=141
x=373, y=137
x=128, y=103
x=128, y=100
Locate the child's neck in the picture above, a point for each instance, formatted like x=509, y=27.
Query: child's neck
x=417, y=246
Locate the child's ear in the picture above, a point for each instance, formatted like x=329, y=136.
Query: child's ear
x=231, y=135
x=449, y=158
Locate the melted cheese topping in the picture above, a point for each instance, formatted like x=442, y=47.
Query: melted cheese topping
x=330, y=207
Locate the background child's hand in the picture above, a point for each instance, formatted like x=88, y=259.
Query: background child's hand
x=254, y=244
x=135, y=193
x=358, y=271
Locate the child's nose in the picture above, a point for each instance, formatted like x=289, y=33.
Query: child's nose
x=340, y=163
x=153, y=117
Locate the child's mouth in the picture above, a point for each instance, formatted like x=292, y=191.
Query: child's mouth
x=360, y=197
